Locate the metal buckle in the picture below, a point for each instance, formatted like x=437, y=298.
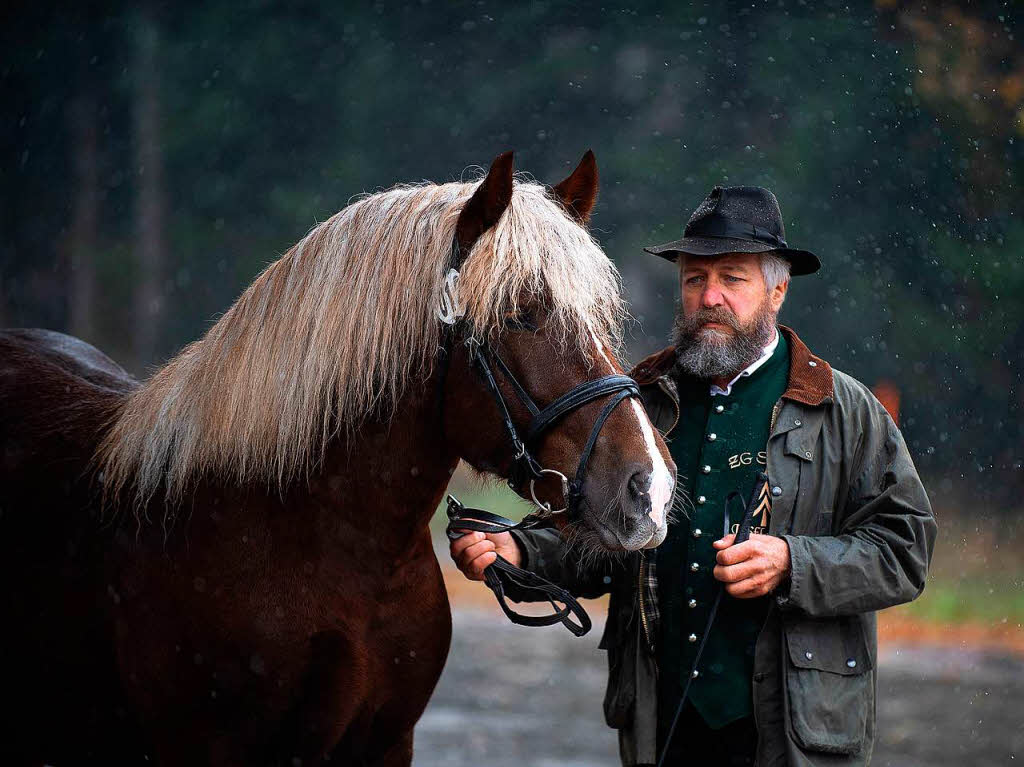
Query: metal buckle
x=450, y=309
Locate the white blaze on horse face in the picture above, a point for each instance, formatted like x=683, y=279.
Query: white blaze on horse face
x=661, y=478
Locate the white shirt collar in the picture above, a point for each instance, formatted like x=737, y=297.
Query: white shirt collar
x=769, y=350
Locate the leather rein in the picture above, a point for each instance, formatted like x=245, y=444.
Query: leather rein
x=526, y=468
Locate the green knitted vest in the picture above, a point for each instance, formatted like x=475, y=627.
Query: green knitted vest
x=719, y=445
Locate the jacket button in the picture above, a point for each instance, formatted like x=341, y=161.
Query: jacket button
x=712, y=437
x=692, y=603
x=695, y=674
x=809, y=655
x=701, y=500
x=851, y=663
x=796, y=422
x=813, y=364
x=776, y=491
x=692, y=638
x=694, y=567
x=719, y=408
x=697, y=532
x=706, y=469
x=759, y=676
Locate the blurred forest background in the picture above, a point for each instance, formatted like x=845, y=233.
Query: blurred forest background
x=157, y=155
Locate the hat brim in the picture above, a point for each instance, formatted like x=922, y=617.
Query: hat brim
x=801, y=261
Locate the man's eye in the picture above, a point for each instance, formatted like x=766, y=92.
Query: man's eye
x=693, y=280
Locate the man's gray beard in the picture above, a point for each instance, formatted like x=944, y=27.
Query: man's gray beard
x=707, y=354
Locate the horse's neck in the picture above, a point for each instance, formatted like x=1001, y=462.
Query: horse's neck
x=385, y=483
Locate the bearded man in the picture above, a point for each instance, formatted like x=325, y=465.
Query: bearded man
x=843, y=528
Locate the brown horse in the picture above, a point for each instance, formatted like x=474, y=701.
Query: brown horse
x=230, y=563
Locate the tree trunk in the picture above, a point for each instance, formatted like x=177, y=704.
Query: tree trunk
x=83, y=237
x=149, y=210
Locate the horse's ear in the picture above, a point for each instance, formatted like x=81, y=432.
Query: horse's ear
x=578, y=193
x=487, y=204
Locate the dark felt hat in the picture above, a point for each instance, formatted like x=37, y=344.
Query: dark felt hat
x=738, y=219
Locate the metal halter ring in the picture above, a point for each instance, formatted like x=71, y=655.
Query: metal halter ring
x=565, y=492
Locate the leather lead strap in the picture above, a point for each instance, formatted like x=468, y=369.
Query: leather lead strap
x=742, y=534
x=462, y=519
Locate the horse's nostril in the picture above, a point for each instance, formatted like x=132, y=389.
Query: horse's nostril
x=639, y=483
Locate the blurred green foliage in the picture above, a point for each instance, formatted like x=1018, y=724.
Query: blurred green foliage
x=892, y=137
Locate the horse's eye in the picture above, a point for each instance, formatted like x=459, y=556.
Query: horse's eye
x=522, y=320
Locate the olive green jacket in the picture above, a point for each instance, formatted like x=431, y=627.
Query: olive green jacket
x=860, y=530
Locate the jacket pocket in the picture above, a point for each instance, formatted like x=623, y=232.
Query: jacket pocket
x=620, y=695
x=828, y=685
x=620, y=641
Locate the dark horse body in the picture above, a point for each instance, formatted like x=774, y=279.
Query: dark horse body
x=249, y=621
x=273, y=629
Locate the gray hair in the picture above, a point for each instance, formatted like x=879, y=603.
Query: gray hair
x=774, y=269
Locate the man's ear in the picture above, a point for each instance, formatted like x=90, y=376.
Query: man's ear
x=487, y=204
x=777, y=295
x=578, y=192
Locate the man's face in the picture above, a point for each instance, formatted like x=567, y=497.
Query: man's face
x=727, y=316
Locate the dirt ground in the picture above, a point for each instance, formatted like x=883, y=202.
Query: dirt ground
x=513, y=696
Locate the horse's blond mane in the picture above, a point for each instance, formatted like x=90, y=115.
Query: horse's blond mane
x=341, y=326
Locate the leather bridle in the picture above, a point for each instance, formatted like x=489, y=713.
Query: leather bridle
x=526, y=468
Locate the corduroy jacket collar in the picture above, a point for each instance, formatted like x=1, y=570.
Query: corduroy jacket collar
x=810, y=377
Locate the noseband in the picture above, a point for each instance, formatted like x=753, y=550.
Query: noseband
x=526, y=468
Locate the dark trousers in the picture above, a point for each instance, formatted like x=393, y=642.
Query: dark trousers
x=696, y=744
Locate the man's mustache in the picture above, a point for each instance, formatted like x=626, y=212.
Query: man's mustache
x=714, y=314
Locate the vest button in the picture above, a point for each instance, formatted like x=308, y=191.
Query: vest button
x=701, y=500
x=706, y=469
x=694, y=567
x=850, y=663
x=692, y=638
x=712, y=437
x=776, y=491
x=697, y=532
x=809, y=655
x=719, y=408
x=695, y=674
x=692, y=603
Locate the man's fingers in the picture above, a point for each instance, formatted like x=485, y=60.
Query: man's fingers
x=481, y=563
x=460, y=544
x=725, y=542
x=738, y=553
x=474, y=550
x=736, y=573
x=747, y=588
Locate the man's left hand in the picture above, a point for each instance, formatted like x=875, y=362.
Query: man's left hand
x=753, y=568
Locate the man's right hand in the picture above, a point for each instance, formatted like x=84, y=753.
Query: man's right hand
x=473, y=552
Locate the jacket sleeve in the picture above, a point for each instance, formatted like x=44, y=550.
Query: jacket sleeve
x=545, y=554
x=881, y=555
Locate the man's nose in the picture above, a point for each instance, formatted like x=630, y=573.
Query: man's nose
x=712, y=296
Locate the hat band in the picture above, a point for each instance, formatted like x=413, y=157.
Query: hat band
x=720, y=226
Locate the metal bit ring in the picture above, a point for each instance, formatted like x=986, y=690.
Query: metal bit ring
x=565, y=491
